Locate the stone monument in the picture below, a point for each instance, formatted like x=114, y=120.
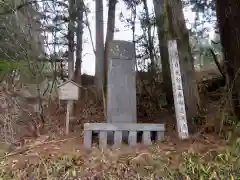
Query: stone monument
x=121, y=98
x=177, y=90
x=121, y=121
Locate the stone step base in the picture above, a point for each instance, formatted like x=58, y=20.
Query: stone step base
x=119, y=130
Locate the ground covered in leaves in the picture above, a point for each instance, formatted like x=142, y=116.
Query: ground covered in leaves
x=205, y=157
x=57, y=157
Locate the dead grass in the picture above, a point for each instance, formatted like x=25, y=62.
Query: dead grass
x=66, y=159
x=54, y=156
x=59, y=157
x=207, y=74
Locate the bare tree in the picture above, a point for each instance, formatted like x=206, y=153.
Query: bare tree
x=149, y=36
x=70, y=37
x=99, y=56
x=79, y=33
x=162, y=37
x=109, y=34
x=229, y=28
x=178, y=30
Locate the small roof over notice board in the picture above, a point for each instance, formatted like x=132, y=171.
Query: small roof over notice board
x=68, y=90
x=71, y=82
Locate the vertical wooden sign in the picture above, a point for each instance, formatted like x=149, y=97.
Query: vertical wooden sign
x=68, y=91
x=177, y=90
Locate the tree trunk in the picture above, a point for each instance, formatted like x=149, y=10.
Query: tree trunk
x=71, y=39
x=228, y=14
x=70, y=58
x=149, y=37
x=162, y=37
x=109, y=35
x=79, y=33
x=99, y=58
x=178, y=30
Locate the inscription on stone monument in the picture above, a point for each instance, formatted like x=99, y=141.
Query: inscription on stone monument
x=121, y=102
x=177, y=90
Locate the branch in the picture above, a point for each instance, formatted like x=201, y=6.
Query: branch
x=12, y=10
x=89, y=29
x=217, y=63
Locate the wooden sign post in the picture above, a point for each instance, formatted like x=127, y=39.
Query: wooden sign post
x=177, y=90
x=68, y=91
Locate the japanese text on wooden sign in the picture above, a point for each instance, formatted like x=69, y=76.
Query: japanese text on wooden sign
x=68, y=91
x=177, y=90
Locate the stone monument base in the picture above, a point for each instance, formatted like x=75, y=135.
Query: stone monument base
x=118, y=133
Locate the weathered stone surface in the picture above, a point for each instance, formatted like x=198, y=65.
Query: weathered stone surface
x=130, y=129
x=121, y=101
x=124, y=127
x=147, y=138
x=103, y=139
x=87, y=141
x=117, y=138
x=132, y=139
x=160, y=135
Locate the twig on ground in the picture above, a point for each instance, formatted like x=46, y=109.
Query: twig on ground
x=30, y=147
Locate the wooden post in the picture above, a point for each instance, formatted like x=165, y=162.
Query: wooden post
x=68, y=115
x=177, y=90
x=68, y=91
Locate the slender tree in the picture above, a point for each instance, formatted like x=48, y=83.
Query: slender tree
x=99, y=56
x=109, y=34
x=228, y=14
x=149, y=36
x=178, y=30
x=70, y=36
x=162, y=37
x=79, y=34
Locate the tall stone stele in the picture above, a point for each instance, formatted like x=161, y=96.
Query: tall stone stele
x=121, y=98
x=121, y=101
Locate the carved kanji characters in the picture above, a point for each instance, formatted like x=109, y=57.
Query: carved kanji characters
x=180, y=102
x=179, y=87
x=176, y=64
x=177, y=72
x=178, y=79
x=180, y=95
x=182, y=110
